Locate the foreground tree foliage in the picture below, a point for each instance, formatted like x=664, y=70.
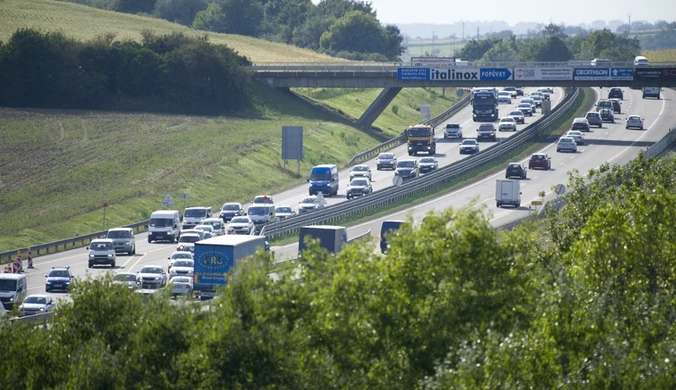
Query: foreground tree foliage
x=586, y=300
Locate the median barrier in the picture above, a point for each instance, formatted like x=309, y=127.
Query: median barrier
x=42, y=317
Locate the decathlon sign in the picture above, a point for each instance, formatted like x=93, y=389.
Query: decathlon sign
x=592, y=73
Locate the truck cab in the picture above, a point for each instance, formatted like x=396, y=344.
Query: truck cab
x=485, y=105
x=420, y=138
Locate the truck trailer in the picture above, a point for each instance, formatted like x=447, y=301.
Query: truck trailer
x=331, y=238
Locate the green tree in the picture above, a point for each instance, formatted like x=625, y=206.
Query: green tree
x=476, y=48
x=179, y=11
x=553, y=49
x=282, y=17
x=357, y=31
x=231, y=16
x=503, y=51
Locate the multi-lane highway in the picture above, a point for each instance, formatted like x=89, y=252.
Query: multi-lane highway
x=612, y=143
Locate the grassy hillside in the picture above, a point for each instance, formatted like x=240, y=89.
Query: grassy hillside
x=84, y=23
x=660, y=55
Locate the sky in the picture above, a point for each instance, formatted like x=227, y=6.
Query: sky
x=569, y=12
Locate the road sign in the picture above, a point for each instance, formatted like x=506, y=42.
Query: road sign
x=397, y=181
x=184, y=196
x=655, y=74
x=168, y=201
x=425, y=112
x=560, y=189
x=536, y=203
x=460, y=92
x=592, y=73
x=413, y=73
x=543, y=73
x=432, y=61
x=622, y=73
x=458, y=74
x=495, y=74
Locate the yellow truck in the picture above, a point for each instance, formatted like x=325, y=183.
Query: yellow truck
x=421, y=139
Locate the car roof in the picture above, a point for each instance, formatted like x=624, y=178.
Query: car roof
x=125, y=229
x=360, y=165
x=566, y=139
x=125, y=273
x=580, y=120
x=60, y=269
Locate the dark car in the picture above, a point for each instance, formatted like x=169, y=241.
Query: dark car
x=516, y=169
x=581, y=124
x=359, y=186
x=58, y=279
x=428, y=164
x=519, y=91
x=540, y=160
x=388, y=227
x=407, y=169
x=230, y=210
x=617, y=106
x=607, y=115
x=616, y=93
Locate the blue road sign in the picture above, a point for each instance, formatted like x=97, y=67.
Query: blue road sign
x=495, y=74
x=622, y=73
x=413, y=73
x=592, y=73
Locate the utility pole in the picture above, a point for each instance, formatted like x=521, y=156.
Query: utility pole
x=463, y=31
x=433, y=36
x=629, y=24
x=477, y=33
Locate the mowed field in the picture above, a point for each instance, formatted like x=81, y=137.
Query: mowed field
x=85, y=23
x=660, y=55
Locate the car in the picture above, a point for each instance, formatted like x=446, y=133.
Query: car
x=182, y=267
x=182, y=255
x=513, y=92
x=540, y=160
x=58, y=279
x=538, y=98
x=486, y=131
x=36, y=304
x=580, y=124
x=519, y=91
x=453, y=130
x=516, y=169
x=359, y=186
x=181, y=285
x=616, y=93
x=601, y=62
x=518, y=116
x=607, y=115
x=360, y=171
x=507, y=124
x=152, y=276
x=188, y=238
x=101, y=251
x=284, y=211
x=216, y=224
x=617, y=106
x=634, y=121
x=577, y=136
x=207, y=229
x=389, y=228
x=241, y=225
x=594, y=119
x=604, y=103
x=428, y=164
x=530, y=101
x=566, y=144
x=407, y=169
x=547, y=96
x=123, y=240
x=263, y=200
x=525, y=108
x=505, y=97
x=230, y=210
x=128, y=279
x=386, y=160
x=546, y=90
x=311, y=203
x=186, y=247
x=469, y=146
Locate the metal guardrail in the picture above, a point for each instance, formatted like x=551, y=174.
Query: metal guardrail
x=419, y=186
x=359, y=237
x=42, y=317
x=389, y=144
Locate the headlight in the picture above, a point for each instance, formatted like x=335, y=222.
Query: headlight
x=91, y=256
x=42, y=309
x=110, y=255
x=150, y=233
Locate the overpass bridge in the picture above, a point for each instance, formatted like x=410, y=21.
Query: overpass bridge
x=392, y=77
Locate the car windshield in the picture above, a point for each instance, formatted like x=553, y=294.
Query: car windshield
x=258, y=210
x=59, y=274
x=205, y=228
x=180, y=279
x=406, y=164
x=470, y=142
x=504, y=93
x=386, y=156
x=161, y=222
x=537, y=157
x=189, y=238
x=508, y=119
x=183, y=263
x=360, y=168
x=262, y=199
x=239, y=220
x=514, y=166
x=7, y=285
x=516, y=113
x=195, y=213
x=452, y=126
x=574, y=134
x=320, y=174
x=125, y=278
x=427, y=160
x=100, y=246
x=283, y=210
x=151, y=270
x=38, y=300
x=565, y=140
x=524, y=105
x=537, y=97
x=181, y=255
x=215, y=224
x=486, y=127
x=634, y=118
x=231, y=207
x=592, y=115
x=527, y=101
x=308, y=200
x=359, y=183
x=419, y=132
x=119, y=234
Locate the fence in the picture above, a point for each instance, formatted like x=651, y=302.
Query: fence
x=394, y=142
x=422, y=185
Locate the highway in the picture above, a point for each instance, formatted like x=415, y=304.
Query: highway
x=611, y=143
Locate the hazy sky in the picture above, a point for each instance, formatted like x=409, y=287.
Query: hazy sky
x=570, y=12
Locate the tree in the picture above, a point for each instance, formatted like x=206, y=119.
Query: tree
x=231, y=16
x=503, y=51
x=179, y=11
x=361, y=32
x=476, y=48
x=282, y=17
x=553, y=49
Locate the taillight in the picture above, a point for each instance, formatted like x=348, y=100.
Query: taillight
x=187, y=286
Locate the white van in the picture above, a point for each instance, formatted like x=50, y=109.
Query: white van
x=641, y=61
x=193, y=216
x=13, y=289
x=101, y=251
x=653, y=92
x=164, y=225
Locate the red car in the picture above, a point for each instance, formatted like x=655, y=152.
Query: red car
x=540, y=160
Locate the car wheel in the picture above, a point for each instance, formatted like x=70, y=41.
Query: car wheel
x=91, y=265
x=47, y=290
x=149, y=241
x=112, y=265
x=641, y=127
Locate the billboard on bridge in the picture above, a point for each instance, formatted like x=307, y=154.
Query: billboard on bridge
x=543, y=74
x=595, y=73
x=455, y=74
x=655, y=74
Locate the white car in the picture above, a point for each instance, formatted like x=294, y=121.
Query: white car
x=507, y=124
x=284, y=211
x=36, y=304
x=518, y=116
x=634, y=121
x=187, y=238
x=186, y=247
x=182, y=268
x=216, y=224
x=181, y=285
x=152, y=276
x=469, y=146
x=309, y=204
x=128, y=279
x=207, y=229
x=505, y=97
x=183, y=255
x=577, y=136
x=241, y=225
x=566, y=144
x=360, y=171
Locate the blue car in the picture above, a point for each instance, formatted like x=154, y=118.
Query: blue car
x=58, y=279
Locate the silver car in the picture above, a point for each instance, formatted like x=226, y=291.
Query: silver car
x=128, y=279
x=594, y=118
x=518, y=116
x=241, y=225
x=360, y=171
x=566, y=144
x=152, y=276
x=182, y=268
x=36, y=304
x=577, y=136
x=507, y=124
x=453, y=130
x=181, y=285
x=386, y=160
x=123, y=240
x=634, y=121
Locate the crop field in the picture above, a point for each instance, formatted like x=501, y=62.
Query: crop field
x=668, y=55
x=85, y=23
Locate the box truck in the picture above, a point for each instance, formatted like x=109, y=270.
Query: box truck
x=331, y=238
x=215, y=257
x=508, y=192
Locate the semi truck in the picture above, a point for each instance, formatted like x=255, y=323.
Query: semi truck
x=331, y=238
x=216, y=257
x=485, y=105
x=508, y=193
x=420, y=138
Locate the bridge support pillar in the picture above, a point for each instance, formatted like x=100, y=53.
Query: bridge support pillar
x=378, y=106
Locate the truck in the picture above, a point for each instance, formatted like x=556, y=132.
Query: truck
x=651, y=92
x=216, y=257
x=485, y=105
x=331, y=238
x=420, y=138
x=508, y=192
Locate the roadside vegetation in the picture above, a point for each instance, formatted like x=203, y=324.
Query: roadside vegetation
x=585, y=301
x=668, y=55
